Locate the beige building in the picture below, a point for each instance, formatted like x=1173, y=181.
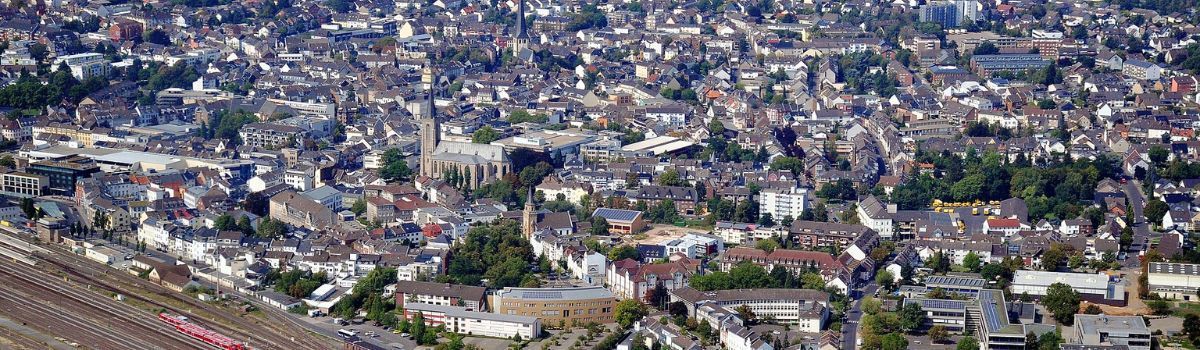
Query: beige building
x=557, y=307
x=1174, y=280
x=297, y=210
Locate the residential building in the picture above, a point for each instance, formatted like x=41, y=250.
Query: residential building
x=298, y=210
x=805, y=309
x=468, y=297
x=84, y=65
x=270, y=135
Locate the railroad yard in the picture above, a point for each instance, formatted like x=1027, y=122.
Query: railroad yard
x=75, y=301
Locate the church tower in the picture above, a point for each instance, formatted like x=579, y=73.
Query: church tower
x=528, y=218
x=430, y=131
x=522, y=39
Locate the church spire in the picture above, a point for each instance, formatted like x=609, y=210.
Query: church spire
x=522, y=39
x=528, y=218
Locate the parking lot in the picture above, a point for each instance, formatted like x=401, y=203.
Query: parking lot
x=364, y=330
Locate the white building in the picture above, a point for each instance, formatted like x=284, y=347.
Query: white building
x=84, y=65
x=1174, y=280
x=805, y=309
x=588, y=267
x=460, y=320
x=1092, y=287
x=784, y=202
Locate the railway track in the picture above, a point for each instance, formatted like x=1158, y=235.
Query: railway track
x=113, y=317
x=281, y=333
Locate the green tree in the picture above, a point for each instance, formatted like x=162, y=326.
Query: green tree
x=485, y=135
x=971, y=261
x=885, y=279
x=1062, y=301
x=894, y=341
x=623, y=252
x=1159, y=155
x=1155, y=211
x=766, y=245
x=938, y=334
x=670, y=178
x=599, y=226
x=629, y=311
x=911, y=317
x=394, y=167
x=968, y=343
x=359, y=207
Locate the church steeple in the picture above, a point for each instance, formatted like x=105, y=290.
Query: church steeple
x=430, y=130
x=522, y=39
x=528, y=218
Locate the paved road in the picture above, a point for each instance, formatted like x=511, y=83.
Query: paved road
x=850, y=327
x=1141, y=230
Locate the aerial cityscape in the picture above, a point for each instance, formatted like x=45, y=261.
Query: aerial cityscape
x=600, y=175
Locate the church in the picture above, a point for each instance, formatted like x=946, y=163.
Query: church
x=478, y=164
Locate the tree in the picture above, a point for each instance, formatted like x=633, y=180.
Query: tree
x=885, y=279
x=629, y=311
x=766, y=245
x=971, y=261
x=1159, y=307
x=1053, y=258
x=485, y=135
x=766, y=220
x=985, y=48
x=1155, y=211
x=1159, y=155
x=670, y=178
x=1062, y=301
x=623, y=252
x=746, y=314
x=599, y=226
x=359, y=207
x=894, y=341
x=938, y=334
x=1191, y=327
x=911, y=317
x=968, y=343
x=395, y=167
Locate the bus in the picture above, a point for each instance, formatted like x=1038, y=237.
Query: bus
x=346, y=333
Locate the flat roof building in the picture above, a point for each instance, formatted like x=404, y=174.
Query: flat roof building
x=1130, y=331
x=557, y=307
x=1096, y=288
x=463, y=321
x=1174, y=280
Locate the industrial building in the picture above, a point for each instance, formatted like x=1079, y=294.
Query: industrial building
x=1177, y=281
x=1096, y=288
x=463, y=321
x=1130, y=331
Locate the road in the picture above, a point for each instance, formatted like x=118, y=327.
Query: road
x=850, y=327
x=1141, y=230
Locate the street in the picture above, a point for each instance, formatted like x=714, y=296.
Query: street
x=850, y=327
x=1141, y=230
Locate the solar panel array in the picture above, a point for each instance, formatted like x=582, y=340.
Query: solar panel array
x=988, y=305
x=616, y=214
x=956, y=281
x=541, y=295
x=943, y=304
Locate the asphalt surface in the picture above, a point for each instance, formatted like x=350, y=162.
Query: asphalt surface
x=850, y=327
x=1141, y=229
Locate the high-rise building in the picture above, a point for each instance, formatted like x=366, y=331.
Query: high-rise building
x=950, y=14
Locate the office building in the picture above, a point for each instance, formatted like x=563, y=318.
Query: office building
x=1130, y=331
x=463, y=321
x=469, y=297
x=806, y=309
x=948, y=313
x=557, y=307
x=63, y=173
x=24, y=185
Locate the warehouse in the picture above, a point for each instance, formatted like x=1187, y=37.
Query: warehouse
x=1096, y=288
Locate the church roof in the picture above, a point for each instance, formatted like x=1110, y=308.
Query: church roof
x=469, y=153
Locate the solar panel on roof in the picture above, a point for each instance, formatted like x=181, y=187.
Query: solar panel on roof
x=616, y=214
x=541, y=295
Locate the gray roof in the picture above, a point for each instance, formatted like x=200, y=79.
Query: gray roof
x=573, y=293
x=469, y=153
x=455, y=311
x=1175, y=268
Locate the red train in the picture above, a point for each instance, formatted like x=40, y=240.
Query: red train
x=183, y=326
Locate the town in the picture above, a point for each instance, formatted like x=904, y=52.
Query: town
x=600, y=175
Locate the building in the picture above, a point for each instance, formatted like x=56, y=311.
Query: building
x=948, y=313
x=84, y=65
x=985, y=65
x=806, y=309
x=557, y=307
x=125, y=30
x=1177, y=281
x=477, y=164
x=950, y=14
x=24, y=185
x=877, y=215
x=784, y=202
x=1130, y=331
x=1141, y=70
x=298, y=210
x=1096, y=288
x=63, y=173
x=629, y=278
x=620, y=221
x=465, y=321
x=270, y=135
x=467, y=297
